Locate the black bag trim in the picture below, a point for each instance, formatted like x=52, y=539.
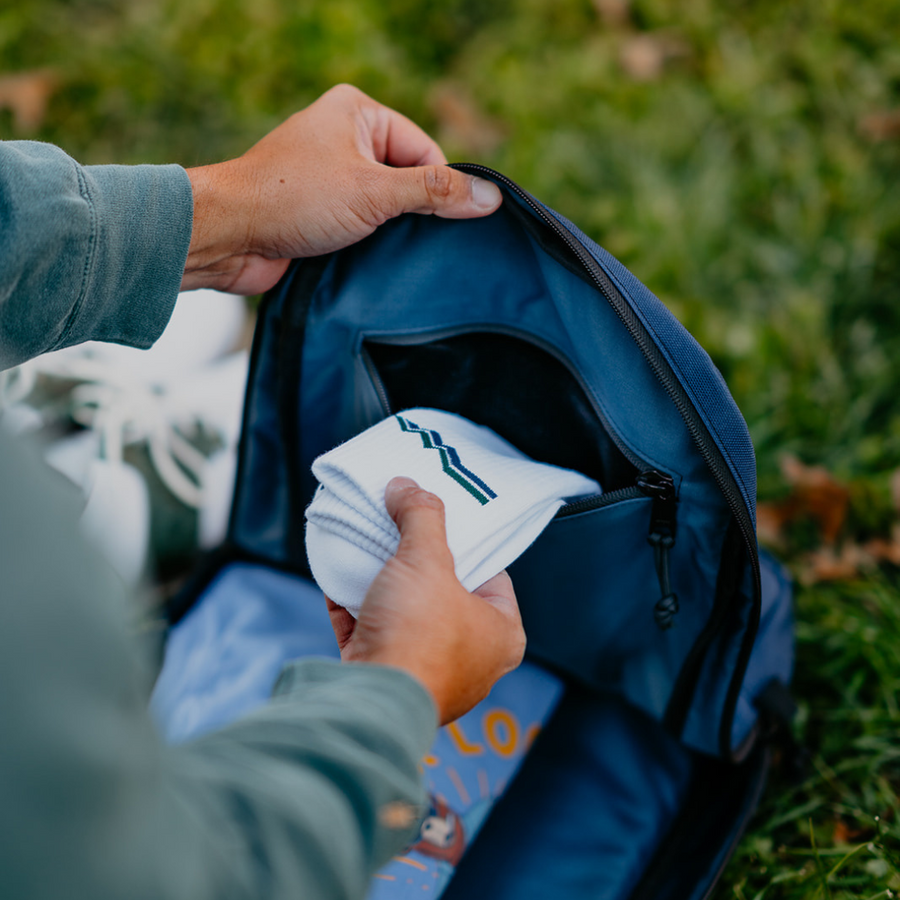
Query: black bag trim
x=289, y=378
x=727, y=585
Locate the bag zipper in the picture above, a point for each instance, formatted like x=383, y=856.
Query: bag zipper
x=663, y=525
x=698, y=431
x=661, y=537
x=426, y=337
x=598, y=501
x=649, y=483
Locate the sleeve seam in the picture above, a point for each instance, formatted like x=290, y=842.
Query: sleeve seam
x=93, y=240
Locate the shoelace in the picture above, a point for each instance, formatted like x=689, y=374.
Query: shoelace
x=123, y=411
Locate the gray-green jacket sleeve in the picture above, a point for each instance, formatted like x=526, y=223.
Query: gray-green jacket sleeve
x=304, y=799
x=86, y=252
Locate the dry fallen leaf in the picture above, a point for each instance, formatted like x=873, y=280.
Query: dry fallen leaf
x=26, y=94
x=644, y=56
x=771, y=519
x=613, y=13
x=817, y=494
x=881, y=550
x=881, y=126
x=827, y=565
x=841, y=832
x=844, y=834
x=461, y=123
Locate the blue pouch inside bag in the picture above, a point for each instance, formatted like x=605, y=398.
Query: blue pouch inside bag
x=623, y=760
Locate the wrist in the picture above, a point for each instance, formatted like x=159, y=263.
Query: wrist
x=433, y=683
x=215, y=253
x=421, y=681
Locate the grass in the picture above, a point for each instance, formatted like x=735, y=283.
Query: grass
x=736, y=156
x=835, y=833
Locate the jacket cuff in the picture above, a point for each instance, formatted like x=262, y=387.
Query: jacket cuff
x=397, y=697
x=143, y=217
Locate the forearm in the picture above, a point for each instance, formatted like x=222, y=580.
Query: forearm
x=86, y=252
x=99, y=252
x=318, y=789
x=304, y=799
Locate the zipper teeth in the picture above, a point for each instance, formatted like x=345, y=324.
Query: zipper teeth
x=585, y=504
x=724, y=479
x=480, y=328
x=588, y=504
x=726, y=484
x=375, y=378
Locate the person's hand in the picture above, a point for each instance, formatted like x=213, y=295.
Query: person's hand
x=324, y=179
x=418, y=617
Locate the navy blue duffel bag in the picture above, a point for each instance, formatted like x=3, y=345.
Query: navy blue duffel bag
x=625, y=758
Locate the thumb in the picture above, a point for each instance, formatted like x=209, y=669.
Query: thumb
x=439, y=190
x=420, y=517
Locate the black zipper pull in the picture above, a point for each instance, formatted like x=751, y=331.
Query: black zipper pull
x=663, y=525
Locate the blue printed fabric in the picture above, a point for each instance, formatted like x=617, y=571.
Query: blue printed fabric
x=223, y=659
x=470, y=765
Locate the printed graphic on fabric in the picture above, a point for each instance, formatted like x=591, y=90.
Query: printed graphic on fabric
x=467, y=769
x=450, y=461
x=441, y=834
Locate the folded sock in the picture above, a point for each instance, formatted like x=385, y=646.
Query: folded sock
x=496, y=499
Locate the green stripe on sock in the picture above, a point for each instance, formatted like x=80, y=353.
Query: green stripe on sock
x=445, y=461
x=446, y=465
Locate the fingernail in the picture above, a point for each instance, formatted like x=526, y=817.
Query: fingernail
x=485, y=194
x=400, y=482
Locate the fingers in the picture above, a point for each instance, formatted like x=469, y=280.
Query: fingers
x=419, y=618
x=383, y=134
x=439, y=190
x=499, y=592
x=342, y=623
x=420, y=181
x=398, y=141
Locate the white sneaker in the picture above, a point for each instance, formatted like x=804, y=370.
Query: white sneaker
x=163, y=398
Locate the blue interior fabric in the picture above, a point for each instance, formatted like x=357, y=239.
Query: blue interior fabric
x=595, y=797
x=420, y=278
x=223, y=659
x=596, y=793
x=364, y=293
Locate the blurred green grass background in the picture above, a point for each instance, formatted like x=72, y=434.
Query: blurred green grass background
x=742, y=159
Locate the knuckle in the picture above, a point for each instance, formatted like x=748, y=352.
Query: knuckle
x=370, y=183
x=369, y=202
x=438, y=182
x=346, y=97
x=346, y=90
x=426, y=500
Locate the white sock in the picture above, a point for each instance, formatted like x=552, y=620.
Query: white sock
x=497, y=500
